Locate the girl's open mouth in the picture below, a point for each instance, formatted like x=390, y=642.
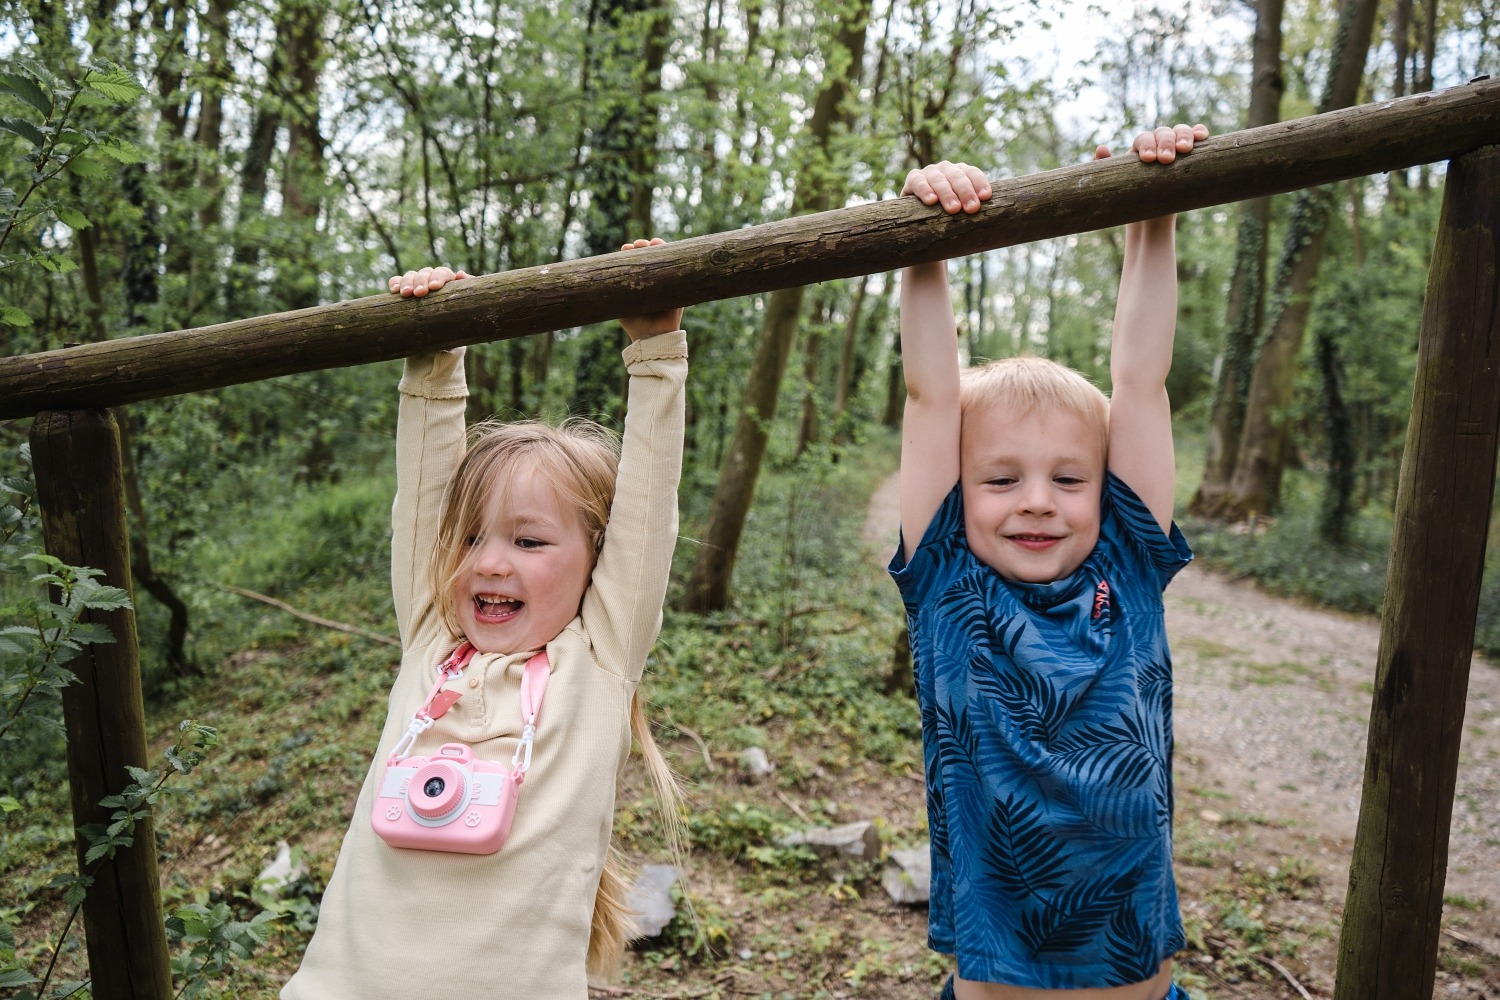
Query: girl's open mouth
x=492, y=610
x=1033, y=541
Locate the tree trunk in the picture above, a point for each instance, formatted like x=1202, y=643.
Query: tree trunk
x=1264, y=439
x=140, y=549
x=302, y=178
x=844, y=384
x=1393, y=912
x=1247, y=289
x=240, y=281
x=1338, y=493
x=1401, y=42
x=215, y=76
x=1423, y=82
x=812, y=358
x=171, y=34
x=708, y=586
x=895, y=380
x=626, y=89
x=141, y=566
x=77, y=459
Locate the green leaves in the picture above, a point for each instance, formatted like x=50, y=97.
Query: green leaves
x=11, y=316
x=28, y=90
x=25, y=129
x=216, y=940
x=55, y=137
x=47, y=626
x=113, y=83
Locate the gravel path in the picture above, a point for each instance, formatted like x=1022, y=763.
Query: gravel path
x=1273, y=699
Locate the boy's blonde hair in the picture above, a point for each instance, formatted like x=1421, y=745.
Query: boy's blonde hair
x=580, y=460
x=1025, y=383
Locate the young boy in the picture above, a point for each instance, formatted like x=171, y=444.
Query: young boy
x=1036, y=539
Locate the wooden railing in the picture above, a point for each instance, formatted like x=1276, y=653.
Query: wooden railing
x=849, y=241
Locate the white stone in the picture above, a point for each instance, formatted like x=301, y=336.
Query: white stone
x=651, y=900
x=908, y=878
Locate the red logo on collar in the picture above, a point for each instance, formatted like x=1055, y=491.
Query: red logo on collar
x=1101, y=599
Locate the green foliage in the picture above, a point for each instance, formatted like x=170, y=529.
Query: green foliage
x=43, y=628
x=213, y=940
x=334, y=532
x=1290, y=555
x=474, y=135
x=803, y=657
x=50, y=135
x=43, y=619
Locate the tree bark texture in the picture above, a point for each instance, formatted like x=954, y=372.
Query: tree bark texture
x=1264, y=438
x=78, y=476
x=1392, y=915
x=626, y=92
x=304, y=169
x=1264, y=441
x=1247, y=289
x=791, y=252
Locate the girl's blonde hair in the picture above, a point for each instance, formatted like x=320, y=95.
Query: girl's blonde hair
x=1025, y=383
x=578, y=459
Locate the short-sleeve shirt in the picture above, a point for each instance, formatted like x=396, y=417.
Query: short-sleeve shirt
x=1047, y=742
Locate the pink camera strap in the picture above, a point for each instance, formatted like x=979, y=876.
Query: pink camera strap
x=534, y=679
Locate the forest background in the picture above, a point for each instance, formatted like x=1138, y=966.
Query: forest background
x=166, y=165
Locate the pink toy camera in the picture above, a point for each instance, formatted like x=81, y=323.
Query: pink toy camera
x=450, y=801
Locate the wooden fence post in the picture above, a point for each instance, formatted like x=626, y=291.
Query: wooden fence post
x=76, y=455
x=1393, y=912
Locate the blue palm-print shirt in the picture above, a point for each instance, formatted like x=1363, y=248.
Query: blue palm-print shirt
x=1047, y=738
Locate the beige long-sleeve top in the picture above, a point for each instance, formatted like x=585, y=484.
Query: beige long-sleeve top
x=405, y=923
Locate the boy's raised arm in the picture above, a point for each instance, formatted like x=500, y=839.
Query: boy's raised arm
x=1140, y=415
x=929, y=359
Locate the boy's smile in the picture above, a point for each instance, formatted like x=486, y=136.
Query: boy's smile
x=526, y=571
x=1031, y=487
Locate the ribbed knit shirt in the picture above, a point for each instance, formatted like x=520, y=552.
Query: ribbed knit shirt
x=398, y=922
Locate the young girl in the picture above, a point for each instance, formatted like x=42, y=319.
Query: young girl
x=531, y=541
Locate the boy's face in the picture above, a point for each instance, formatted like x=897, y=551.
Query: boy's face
x=1031, y=486
x=527, y=571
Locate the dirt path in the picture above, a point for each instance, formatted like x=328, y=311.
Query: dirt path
x=1273, y=700
x=1272, y=703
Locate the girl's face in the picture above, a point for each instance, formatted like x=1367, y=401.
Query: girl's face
x=1031, y=485
x=526, y=571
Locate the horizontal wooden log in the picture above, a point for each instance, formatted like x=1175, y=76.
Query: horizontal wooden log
x=1368, y=139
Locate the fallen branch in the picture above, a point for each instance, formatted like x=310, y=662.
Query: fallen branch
x=793, y=807
x=325, y=622
x=1470, y=943
x=1287, y=975
x=708, y=762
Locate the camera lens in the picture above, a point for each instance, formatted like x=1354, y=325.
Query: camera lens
x=438, y=791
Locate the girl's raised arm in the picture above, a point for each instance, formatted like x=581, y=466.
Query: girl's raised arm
x=429, y=446
x=622, y=607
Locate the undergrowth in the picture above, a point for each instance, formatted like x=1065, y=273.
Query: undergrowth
x=1288, y=555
